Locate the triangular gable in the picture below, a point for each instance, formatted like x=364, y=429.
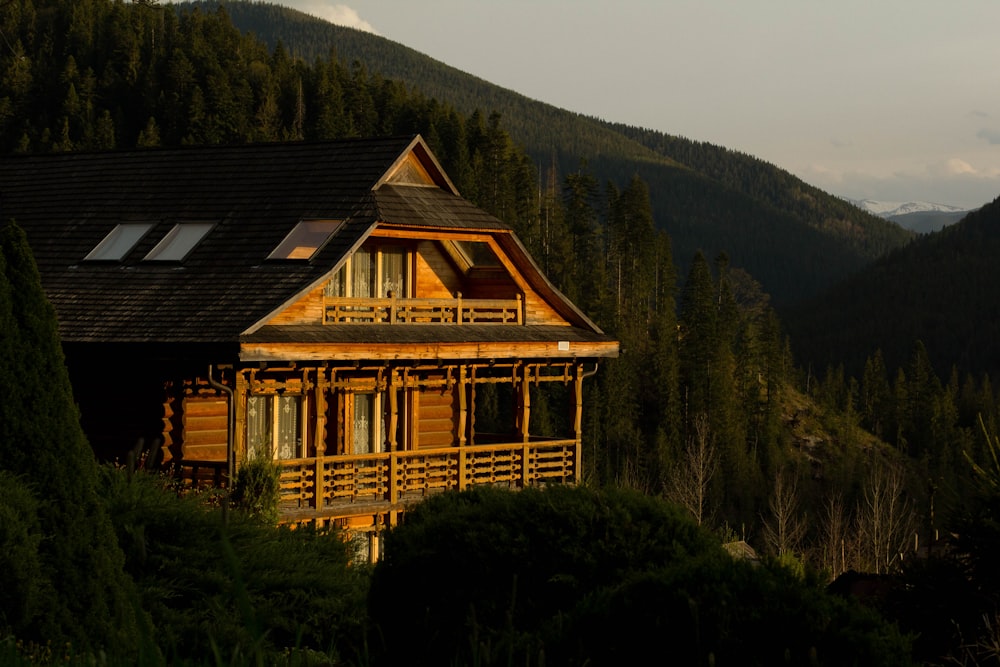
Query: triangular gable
x=417, y=166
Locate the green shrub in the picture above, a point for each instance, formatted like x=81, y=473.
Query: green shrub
x=573, y=576
x=257, y=487
x=502, y=565
x=234, y=587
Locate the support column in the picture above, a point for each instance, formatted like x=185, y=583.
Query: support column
x=463, y=406
x=578, y=423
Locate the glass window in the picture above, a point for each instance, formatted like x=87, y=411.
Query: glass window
x=179, y=241
x=305, y=239
x=365, y=427
x=119, y=241
x=273, y=423
x=372, y=273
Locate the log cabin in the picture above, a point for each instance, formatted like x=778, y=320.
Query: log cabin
x=336, y=306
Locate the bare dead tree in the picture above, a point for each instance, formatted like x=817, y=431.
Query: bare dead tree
x=885, y=517
x=689, y=479
x=785, y=528
x=837, y=546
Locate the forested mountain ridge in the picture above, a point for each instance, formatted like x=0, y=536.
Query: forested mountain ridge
x=943, y=290
x=795, y=239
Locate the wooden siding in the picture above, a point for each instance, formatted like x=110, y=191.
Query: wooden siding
x=307, y=310
x=204, y=424
x=437, y=418
x=436, y=278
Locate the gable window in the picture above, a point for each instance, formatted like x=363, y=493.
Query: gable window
x=306, y=239
x=274, y=423
x=119, y=241
x=179, y=241
x=373, y=273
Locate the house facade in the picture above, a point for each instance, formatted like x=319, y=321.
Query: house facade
x=336, y=306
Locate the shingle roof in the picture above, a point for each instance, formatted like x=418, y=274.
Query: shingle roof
x=67, y=203
x=254, y=194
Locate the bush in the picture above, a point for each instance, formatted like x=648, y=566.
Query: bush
x=257, y=487
x=234, y=587
x=502, y=566
x=570, y=576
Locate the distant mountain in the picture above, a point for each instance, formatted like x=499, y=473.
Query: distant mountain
x=918, y=216
x=942, y=289
x=793, y=238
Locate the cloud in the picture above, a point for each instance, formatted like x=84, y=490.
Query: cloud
x=991, y=136
x=338, y=14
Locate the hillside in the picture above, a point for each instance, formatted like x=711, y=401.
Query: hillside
x=943, y=289
x=795, y=239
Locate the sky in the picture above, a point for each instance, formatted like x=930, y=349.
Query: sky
x=891, y=100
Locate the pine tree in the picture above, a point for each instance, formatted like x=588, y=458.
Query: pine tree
x=45, y=445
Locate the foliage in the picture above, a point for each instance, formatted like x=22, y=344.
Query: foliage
x=257, y=487
x=26, y=590
x=596, y=577
x=43, y=445
x=230, y=585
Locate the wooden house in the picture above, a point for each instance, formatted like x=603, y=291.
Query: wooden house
x=336, y=305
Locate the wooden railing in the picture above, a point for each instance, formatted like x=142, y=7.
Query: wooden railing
x=326, y=486
x=393, y=310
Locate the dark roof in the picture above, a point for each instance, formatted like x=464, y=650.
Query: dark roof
x=253, y=193
x=68, y=202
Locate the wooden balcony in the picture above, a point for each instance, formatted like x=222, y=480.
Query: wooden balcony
x=333, y=486
x=393, y=310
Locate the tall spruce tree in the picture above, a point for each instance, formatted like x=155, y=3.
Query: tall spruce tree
x=42, y=443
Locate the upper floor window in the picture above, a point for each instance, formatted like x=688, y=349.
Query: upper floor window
x=305, y=239
x=119, y=241
x=373, y=273
x=179, y=241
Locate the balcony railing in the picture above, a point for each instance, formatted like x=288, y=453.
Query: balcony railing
x=393, y=310
x=333, y=485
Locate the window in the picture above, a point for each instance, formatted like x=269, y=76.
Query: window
x=275, y=423
x=119, y=241
x=179, y=241
x=373, y=273
x=366, y=424
x=305, y=240
x=366, y=547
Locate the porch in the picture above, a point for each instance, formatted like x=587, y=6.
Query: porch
x=330, y=487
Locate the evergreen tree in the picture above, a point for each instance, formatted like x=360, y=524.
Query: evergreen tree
x=43, y=443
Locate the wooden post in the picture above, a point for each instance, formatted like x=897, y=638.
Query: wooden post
x=520, y=310
x=463, y=406
x=393, y=393
x=458, y=307
x=240, y=437
x=319, y=438
x=578, y=423
x=472, y=407
x=525, y=403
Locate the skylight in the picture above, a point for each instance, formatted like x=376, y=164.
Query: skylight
x=179, y=241
x=119, y=242
x=305, y=240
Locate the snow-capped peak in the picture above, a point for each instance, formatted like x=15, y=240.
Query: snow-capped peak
x=888, y=209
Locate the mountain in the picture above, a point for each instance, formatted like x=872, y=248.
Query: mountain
x=793, y=238
x=920, y=217
x=942, y=289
